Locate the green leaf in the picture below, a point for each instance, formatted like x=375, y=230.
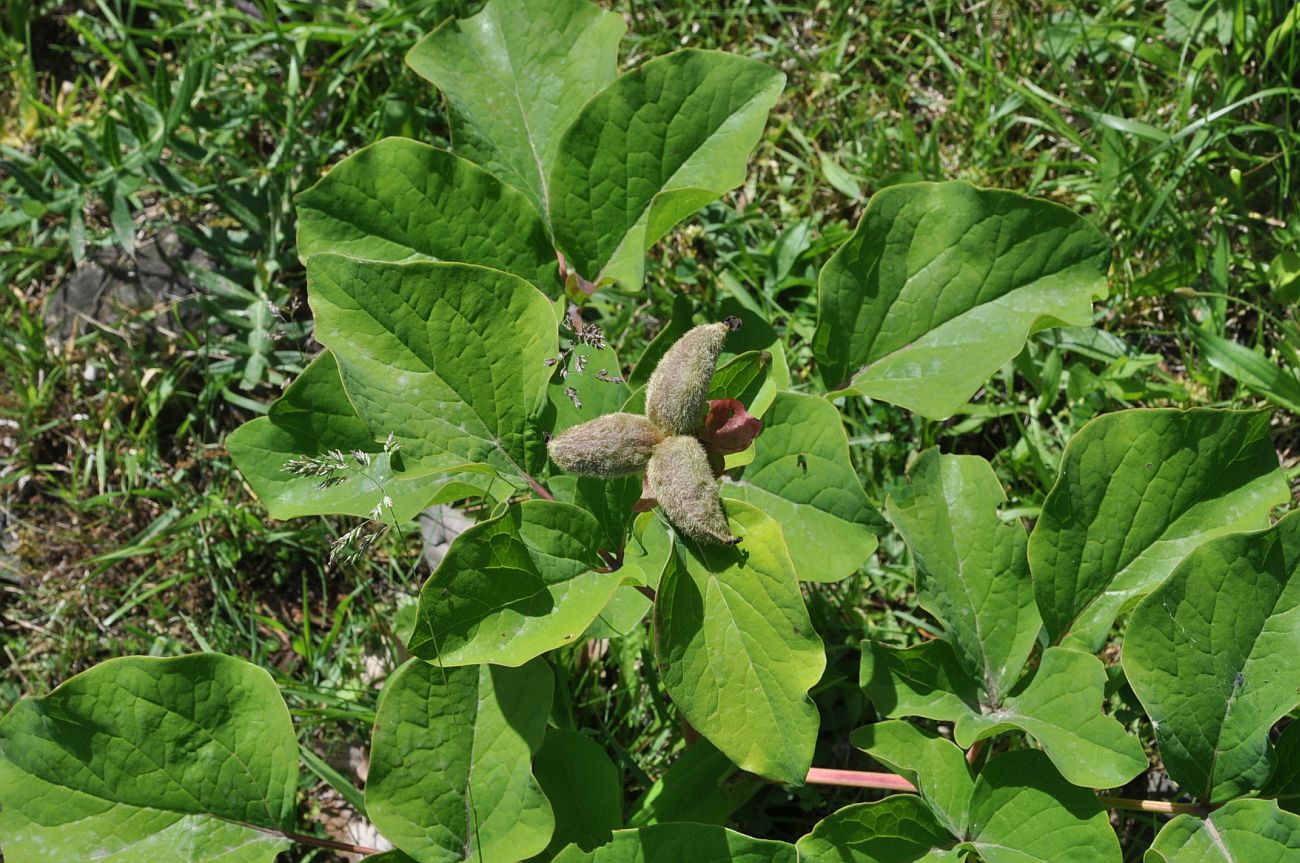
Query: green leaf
x=1242, y=831
x=802, y=477
x=624, y=611
x=609, y=500
x=513, y=587
x=1137, y=491
x=584, y=788
x=449, y=358
x=1060, y=706
x=515, y=76
x=1285, y=782
x=650, y=149
x=898, y=829
x=925, y=680
x=312, y=418
x=141, y=759
x=673, y=843
x=1214, y=654
x=971, y=568
x=450, y=776
x=747, y=378
x=935, y=765
x=702, y=786
x=736, y=650
x=940, y=286
x=1250, y=368
x=399, y=200
x=1022, y=811
x=648, y=547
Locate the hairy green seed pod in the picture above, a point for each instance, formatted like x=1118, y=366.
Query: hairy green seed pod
x=681, y=481
x=677, y=396
x=611, y=445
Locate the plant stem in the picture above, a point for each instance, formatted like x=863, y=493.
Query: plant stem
x=890, y=782
x=857, y=779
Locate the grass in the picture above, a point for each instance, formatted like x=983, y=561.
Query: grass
x=128, y=530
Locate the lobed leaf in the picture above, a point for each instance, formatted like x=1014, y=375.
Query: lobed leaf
x=1213, y=654
x=513, y=587
x=450, y=775
x=972, y=573
x=941, y=284
x=399, y=200
x=802, y=477
x=312, y=418
x=736, y=650
x=1241, y=831
x=650, y=149
x=1060, y=707
x=935, y=765
x=1023, y=811
x=1137, y=491
x=424, y=355
x=141, y=759
x=515, y=76
x=925, y=680
x=898, y=829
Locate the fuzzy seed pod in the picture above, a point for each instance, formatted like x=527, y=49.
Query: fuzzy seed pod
x=680, y=479
x=677, y=396
x=611, y=445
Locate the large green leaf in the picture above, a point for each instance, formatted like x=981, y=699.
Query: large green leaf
x=399, y=200
x=1061, y=707
x=801, y=476
x=448, y=358
x=972, y=574
x=450, y=774
x=898, y=829
x=584, y=788
x=737, y=652
x=1137, y=491
x=1022, y=811
x=515, y=75
x=143, y=760
x=312, y=418
x=513, y=587
x=1214, y=656
x=674, y=843
x=650, y=149
x=935, y=765
x=1241, y=831
x=940, y=286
